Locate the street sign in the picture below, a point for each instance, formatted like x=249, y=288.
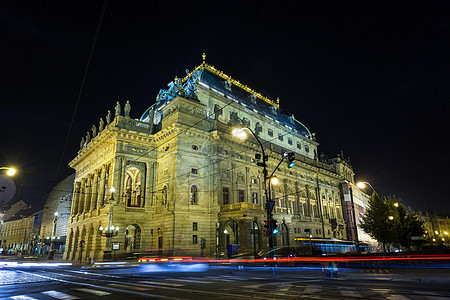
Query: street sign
x=82, y=242
x=270, y=204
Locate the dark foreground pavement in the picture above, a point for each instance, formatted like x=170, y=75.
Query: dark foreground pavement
x=200, y=281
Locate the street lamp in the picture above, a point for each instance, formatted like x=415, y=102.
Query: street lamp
x=240, y=133
x=362, y=185
x=51, y=252
x=11, y=171
x=110, y=230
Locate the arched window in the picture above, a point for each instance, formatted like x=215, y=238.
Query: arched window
x=133, y=193
x=194, y=195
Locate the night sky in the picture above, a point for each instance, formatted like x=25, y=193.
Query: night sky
x=370, y=78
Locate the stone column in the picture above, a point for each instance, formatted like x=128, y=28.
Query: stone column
x=148, y=189
x=101, y=192
x=87, y=199
x=94, y=191
x=76, y=197
x=82, y=196
x=116, y=178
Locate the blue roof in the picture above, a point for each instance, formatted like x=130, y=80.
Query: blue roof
x=217, y=81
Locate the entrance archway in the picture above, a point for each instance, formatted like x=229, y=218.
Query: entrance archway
x=132, y=237
x=255, y=237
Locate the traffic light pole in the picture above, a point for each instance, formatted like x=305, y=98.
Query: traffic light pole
x=271, y=223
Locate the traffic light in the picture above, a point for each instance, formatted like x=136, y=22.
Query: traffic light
x=203, y=243
x=274, y=226
x=291, y=159
x=267, y=227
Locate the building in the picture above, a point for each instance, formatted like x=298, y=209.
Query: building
x=58, y=204
x=437, y=228
x=356, y=203
x=185, y=185
x=20, y=233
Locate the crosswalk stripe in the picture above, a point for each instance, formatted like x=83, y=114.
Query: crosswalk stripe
x=59, y=295
x=95, y=292
x=23, y=297
x=312, y=289
x=350, y=293
x=161, y=283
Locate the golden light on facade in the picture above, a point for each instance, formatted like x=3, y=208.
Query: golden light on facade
x=240, y=133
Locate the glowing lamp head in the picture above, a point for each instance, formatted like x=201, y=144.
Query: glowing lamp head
x=391, y=218
x=396, y=204
x=275, y=231
x=56, y=213
x=240, y=133
x=117, y=228
x=101, y=228
x=112, y=189
x=11, y=171
x=274, y=180
x=361, y=185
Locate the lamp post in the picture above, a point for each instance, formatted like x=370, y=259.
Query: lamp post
x=51, y=252
x=240, y=133
x=110, y=230
x=11, y=171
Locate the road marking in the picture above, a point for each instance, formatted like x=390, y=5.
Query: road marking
x=191, y=281
x=397, y=297
x=350, y=293
x=163, y=283
x=59, y=295
x=311, y=289
x=22, y=297
x=95, y=292
x=127, y=286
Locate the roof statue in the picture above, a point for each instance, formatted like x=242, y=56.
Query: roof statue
x=117, y=109
x=127, y=109
x=177, y=88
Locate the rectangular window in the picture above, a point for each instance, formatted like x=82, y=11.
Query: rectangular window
x=280, y=137
x=299, y=146
x=254, y=181
x=226, y=195
x=194, y=226
x=270, y=132
x=194, y=239
x=240, y=178
x=255, y=198
x=241, y=195
x=289, y=141
x=194, y=171
x=306, y=149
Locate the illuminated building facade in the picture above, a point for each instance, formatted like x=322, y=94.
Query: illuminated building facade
x=185, y=185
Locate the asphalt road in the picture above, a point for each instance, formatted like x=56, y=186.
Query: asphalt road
x=221, y=282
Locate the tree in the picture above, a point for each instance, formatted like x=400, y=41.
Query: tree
x=376, y=221
x=386, y=221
